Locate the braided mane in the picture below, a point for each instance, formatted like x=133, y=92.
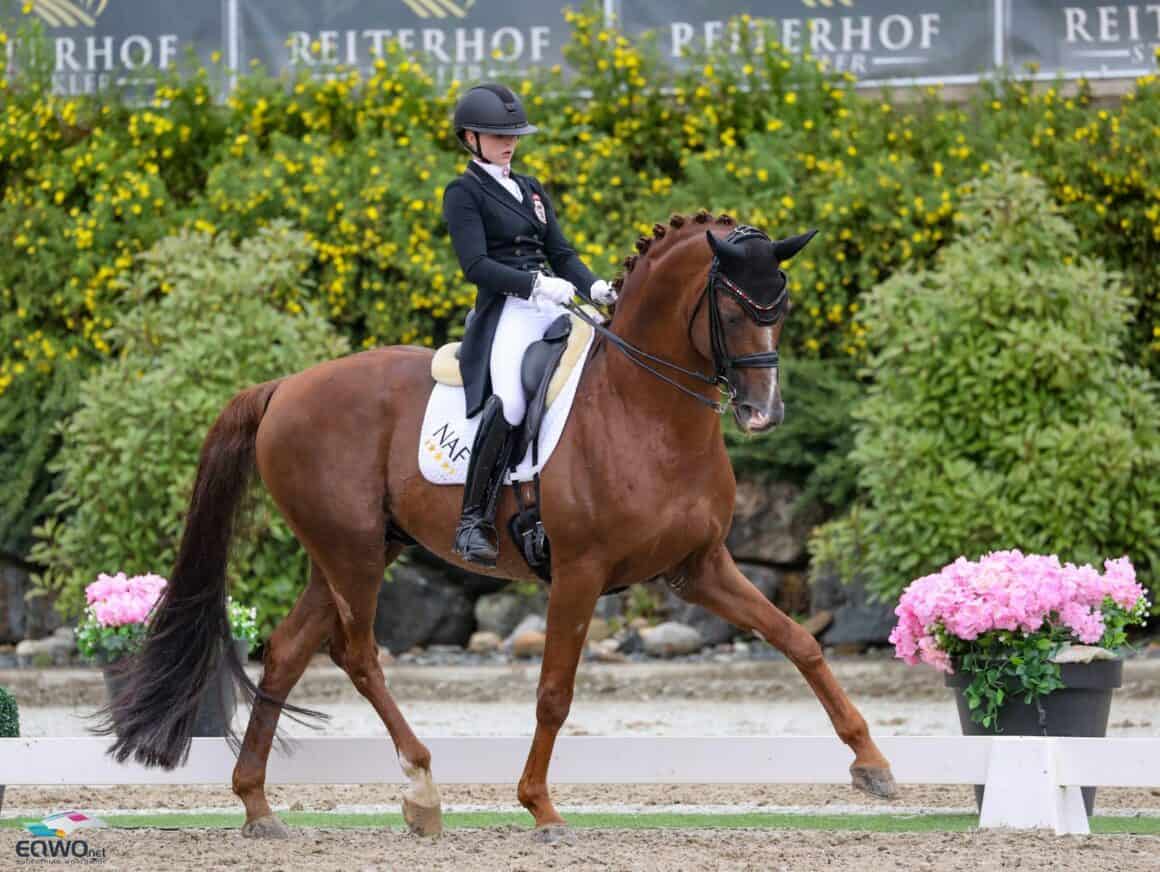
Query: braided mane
x=663, y=238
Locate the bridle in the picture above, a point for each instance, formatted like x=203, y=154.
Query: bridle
x=723, y=364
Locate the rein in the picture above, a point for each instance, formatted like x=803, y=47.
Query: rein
x=631, y=352
x=723, y=364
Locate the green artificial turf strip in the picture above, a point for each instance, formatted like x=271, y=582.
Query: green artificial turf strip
x=1145, y=826
x=883, y=823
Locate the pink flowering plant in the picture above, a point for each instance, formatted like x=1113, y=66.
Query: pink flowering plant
x=1004, y=618
x=118, y=612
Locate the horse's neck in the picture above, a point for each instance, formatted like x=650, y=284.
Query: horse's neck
x=652, y=318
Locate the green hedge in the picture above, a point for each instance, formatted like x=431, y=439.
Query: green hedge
x=361, y=166
x=1002, y=412
x=87, y=184
x=197, y=327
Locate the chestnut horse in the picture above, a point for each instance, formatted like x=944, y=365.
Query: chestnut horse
x=640, y=487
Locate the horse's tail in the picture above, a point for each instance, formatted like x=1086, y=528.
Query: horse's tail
x=153, y=715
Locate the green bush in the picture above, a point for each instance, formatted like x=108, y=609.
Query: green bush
x=199, y=324
x=9, y=716
x=1003, y=413
x=359, y=165
x=1102, y=168
x=31, y=414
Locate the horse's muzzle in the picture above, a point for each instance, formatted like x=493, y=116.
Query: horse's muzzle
x=752, y=419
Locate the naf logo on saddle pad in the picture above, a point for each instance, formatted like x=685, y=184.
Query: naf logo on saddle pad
x=447, y=435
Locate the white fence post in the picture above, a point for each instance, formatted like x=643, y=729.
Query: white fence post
x=1023, y=789
x=233, y=42
x=1000, y=46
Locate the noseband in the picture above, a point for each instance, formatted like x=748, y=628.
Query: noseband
x=723, y=364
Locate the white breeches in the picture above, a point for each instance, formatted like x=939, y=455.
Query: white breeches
x=521, y=323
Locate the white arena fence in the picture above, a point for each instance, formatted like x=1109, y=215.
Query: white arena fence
x=1031, y=782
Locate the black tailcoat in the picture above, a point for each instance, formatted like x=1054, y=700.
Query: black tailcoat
x=501, y=243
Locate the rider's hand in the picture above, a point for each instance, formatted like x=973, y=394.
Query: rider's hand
x=602, y=293
x=555, y=290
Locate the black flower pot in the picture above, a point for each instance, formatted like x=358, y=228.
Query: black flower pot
x=1079, y=708
x=216, y=710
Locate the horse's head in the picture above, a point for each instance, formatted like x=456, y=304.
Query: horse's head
x=746, y=302
x=723, y=304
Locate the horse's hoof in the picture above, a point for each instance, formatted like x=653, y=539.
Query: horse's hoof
x=874, y=780
x=268, y=827
x=550, y=834
x=423, y=820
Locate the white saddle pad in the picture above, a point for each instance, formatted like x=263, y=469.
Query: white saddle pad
x=447, y=435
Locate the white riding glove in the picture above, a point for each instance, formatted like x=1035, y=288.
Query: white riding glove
x=602, y=293
x=552, y=289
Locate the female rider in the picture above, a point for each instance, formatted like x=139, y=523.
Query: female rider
x=510, y=247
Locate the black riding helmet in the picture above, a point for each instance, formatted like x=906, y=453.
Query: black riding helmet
x=490, y=108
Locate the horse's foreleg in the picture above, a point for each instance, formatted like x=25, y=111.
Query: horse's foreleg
x=354, y=649
x=289, y=651
x=720, y=587
x=570, y=605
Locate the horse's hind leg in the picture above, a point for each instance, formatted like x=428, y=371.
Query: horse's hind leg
x=355, y=587
x=719, y=586
x=291, y=646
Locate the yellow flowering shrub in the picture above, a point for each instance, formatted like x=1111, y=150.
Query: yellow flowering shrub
x=359, y=164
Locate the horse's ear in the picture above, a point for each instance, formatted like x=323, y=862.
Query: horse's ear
x=727, y=252
x=784, y=249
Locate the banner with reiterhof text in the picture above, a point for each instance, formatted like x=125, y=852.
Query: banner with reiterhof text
x=874, y=40
x=1072, y=38
x=97, y=44
x=457, y=39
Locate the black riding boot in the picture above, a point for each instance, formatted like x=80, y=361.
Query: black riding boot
x=475, y=537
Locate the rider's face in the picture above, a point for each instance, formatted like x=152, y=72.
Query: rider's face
x=496, y=148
